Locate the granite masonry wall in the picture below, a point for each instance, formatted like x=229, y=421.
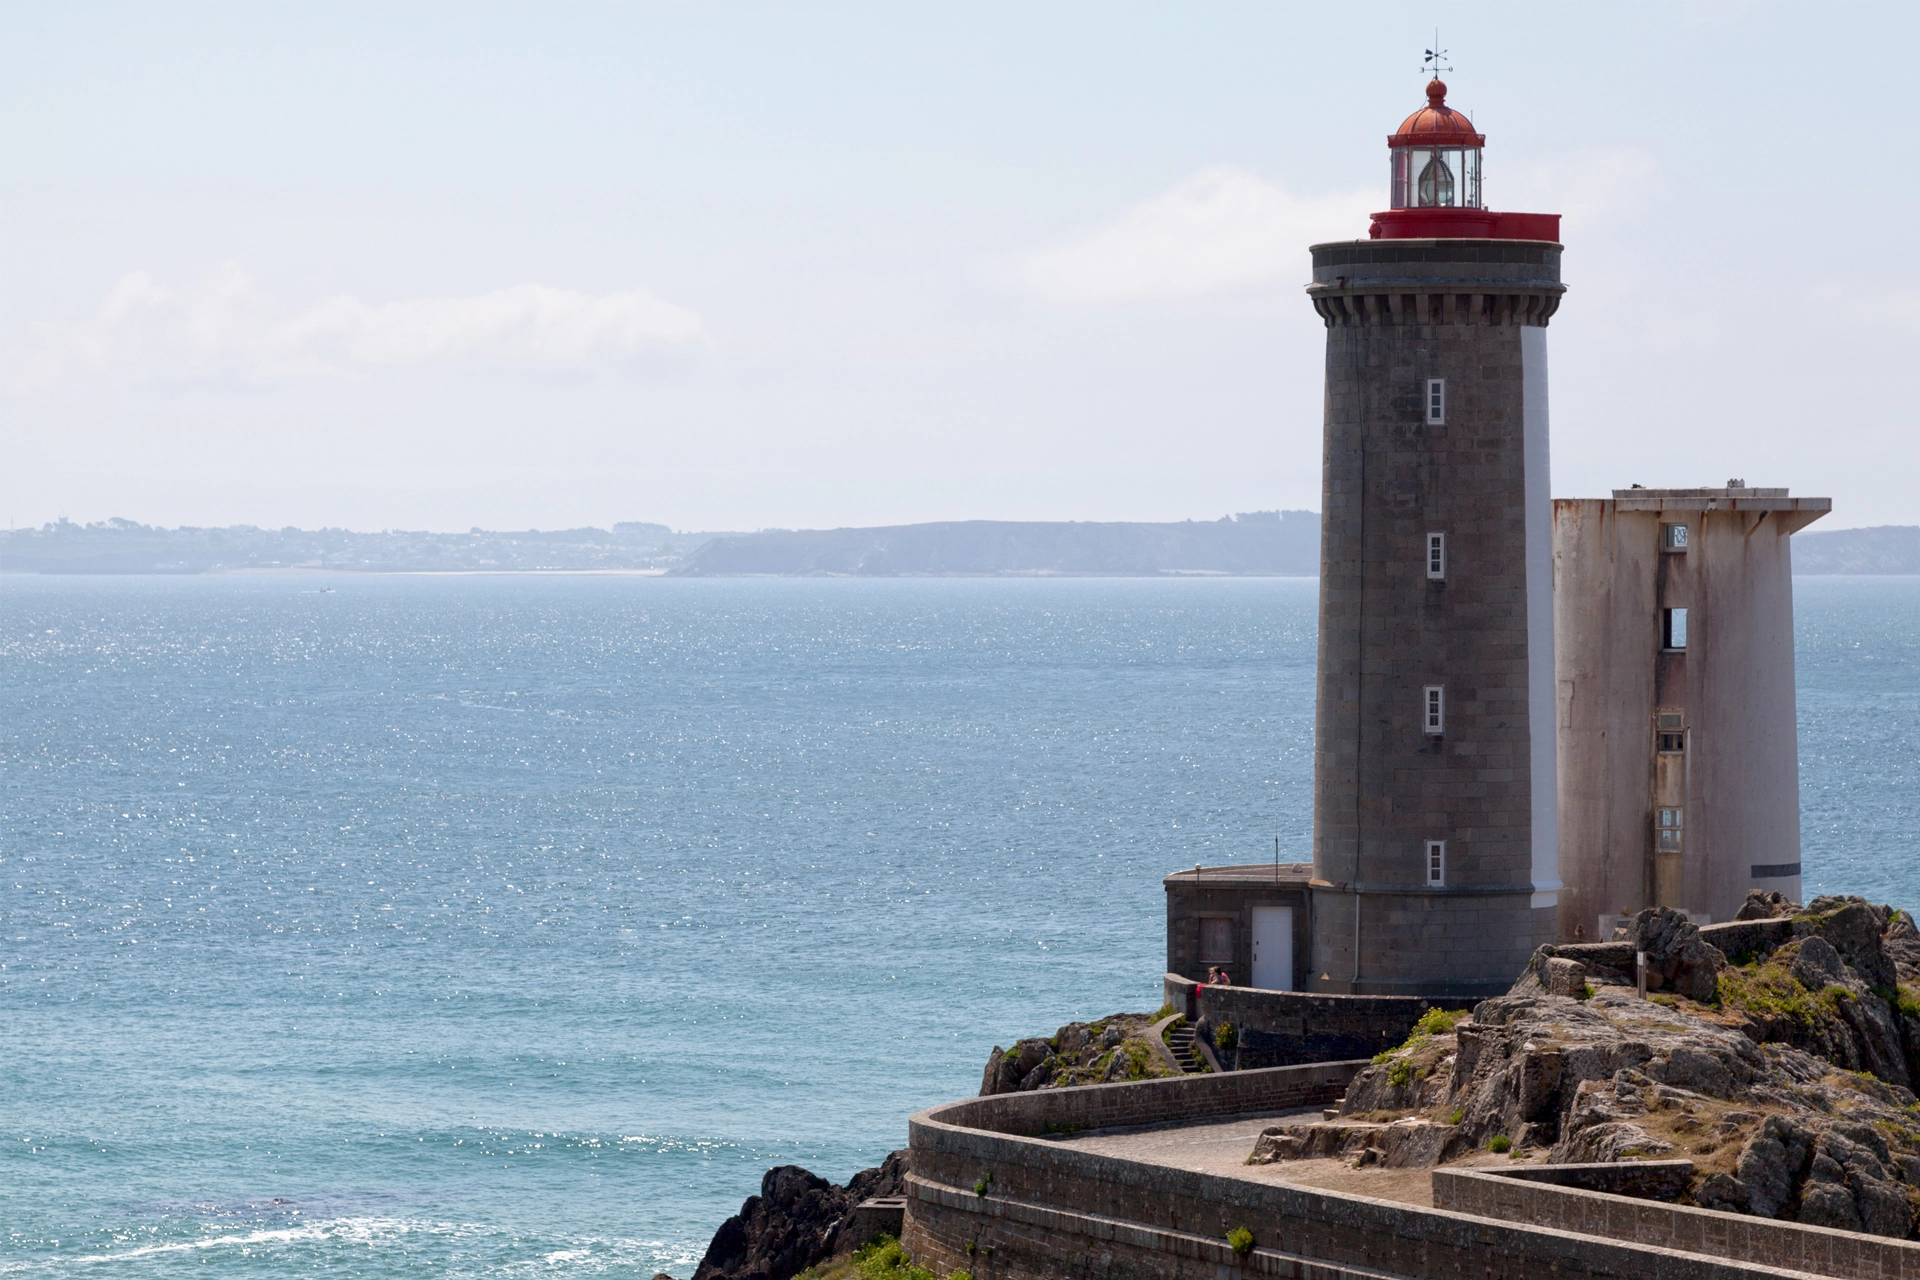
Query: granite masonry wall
x=1803, y=1250
x=1399, y=313
x=1287, y=1028
x=990, y=1196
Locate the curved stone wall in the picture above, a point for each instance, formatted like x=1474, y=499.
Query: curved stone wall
x=990, y=1194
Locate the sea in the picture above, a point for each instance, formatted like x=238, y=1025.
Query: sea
x=514, y=925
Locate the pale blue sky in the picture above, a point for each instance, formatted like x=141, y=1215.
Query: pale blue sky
x=734, y=266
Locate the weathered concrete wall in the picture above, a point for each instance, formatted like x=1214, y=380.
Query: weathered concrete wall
x=1231, y=894
x=1287, y=1028
x=1399, y=313
x=1737, y=781
x=1735, y=1237
x=1051, y=1209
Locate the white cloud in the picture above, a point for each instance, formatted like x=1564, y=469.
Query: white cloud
x=1222, y=229
x=226, y=326
x=1598, y=184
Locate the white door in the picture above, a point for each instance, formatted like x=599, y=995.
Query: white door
x=1273, y=948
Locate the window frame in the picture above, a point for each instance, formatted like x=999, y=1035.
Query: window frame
x=1433, y=710
x=1436, y=861
x=1436, y=557
x=1434, y=407
x=1674, y=537
x=1669, y=829
x=1669, y=616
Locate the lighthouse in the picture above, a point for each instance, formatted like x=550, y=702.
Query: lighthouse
x=1435, y=842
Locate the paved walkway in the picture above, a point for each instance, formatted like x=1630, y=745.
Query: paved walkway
x=1222, y=1146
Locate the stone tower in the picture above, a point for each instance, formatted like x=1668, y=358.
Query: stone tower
x=1435, y=866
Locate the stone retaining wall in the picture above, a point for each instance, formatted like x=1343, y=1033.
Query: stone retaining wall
x=1286, y=1028
x=1047, y=1209
x=1138, y=1102
x=1735, y=1237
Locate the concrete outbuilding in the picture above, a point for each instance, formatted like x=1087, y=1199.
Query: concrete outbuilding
x=1679, y=759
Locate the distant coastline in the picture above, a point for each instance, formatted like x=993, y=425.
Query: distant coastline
x=1250, y=544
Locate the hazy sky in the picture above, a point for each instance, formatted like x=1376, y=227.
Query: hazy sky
x=733, y=266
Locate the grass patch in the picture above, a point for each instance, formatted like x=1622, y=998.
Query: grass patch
x=1400, y=1074
x=883, y=1259
x=1166, y=1011
x=1225, y=1037
x=1500, y=1144
x=1771, y=991
x=1240, y=1240
x=1458, y=1115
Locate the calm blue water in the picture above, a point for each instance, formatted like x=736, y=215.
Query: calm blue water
x=495, y=925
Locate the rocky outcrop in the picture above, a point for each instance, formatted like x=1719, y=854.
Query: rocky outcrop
x=1787, y=1080
x=795, y=1222
x=1112, y=1049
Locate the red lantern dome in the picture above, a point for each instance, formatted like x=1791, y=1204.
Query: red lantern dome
x=1436, y=124
x=1435, y=183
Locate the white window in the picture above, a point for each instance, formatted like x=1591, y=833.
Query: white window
x=1436, y=708
x=1436, y=862
x=1436, y=402
x=1437, y=556
x=1668, y=823
x=1673, y=628
x=1673, y=537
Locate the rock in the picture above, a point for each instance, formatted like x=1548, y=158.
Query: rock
x=1771, y=1164
x=1789, y=1074
x=1037, y=1077
x=990, y=1078
x=1806, y=995
x=1677, y=958
x=1817, y=965
x=1404, y=1144
x=1852, y=926
x=792, y=1224
x=1901, y=942
x=1113, y=1049
x=1765, y=906
x=1565, y=977
x=1614, y=1140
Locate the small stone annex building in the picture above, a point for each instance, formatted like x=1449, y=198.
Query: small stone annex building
x=1530, y=716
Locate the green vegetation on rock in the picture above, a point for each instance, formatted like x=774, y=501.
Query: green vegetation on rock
x=883, y=1259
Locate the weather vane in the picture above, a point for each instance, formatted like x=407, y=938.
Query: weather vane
x=1430, y=65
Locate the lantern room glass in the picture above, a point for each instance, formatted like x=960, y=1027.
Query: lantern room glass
x=1436, y=178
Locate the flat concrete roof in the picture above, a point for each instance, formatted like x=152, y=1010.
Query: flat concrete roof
x=1249, y=873
x=1715, y=500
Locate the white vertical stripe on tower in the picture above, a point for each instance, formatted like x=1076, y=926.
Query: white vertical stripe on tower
x=1540, y=704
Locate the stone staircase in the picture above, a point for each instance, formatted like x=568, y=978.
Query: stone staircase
x=1180, y=1040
